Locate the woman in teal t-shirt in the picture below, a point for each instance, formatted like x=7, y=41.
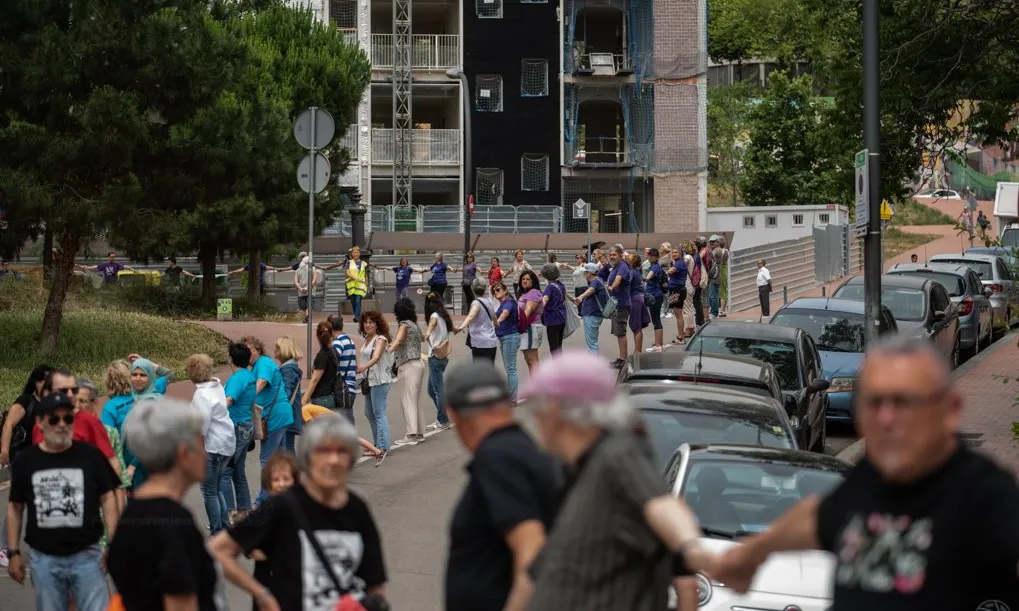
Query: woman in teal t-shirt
x=270, y=395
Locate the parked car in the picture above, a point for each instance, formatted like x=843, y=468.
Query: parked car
x=736, y=490
x=674, y=416
x=995, y=273
x=677, y=368
x=976, y=321
x=837, y=328
x=1008, y=254
x=793, y=355
x=942, y=194
x=921, y=307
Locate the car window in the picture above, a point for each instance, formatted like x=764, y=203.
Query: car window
x=672, y=470
x=831, y=331
x=670, y=429
x=953, y=282
x=887, y=323
x=982, y=268
x=939, y=298
x=905, y=304
x=781, y=355
x=1003, y=272
x=745, y=496
x=810, y=366
x=756, y=387
x=974, y=283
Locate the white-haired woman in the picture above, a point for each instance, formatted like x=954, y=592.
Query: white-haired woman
x=158, y=558
x=319, y=502
x=582, y=421
x=210, y=401
x=480, y=323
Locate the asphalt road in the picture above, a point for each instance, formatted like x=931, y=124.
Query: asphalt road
x=411, y=495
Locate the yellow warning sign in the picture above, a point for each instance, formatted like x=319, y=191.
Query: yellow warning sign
x=886, y=211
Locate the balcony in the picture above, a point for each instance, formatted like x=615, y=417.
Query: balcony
x=428, y=51
x=429, y=147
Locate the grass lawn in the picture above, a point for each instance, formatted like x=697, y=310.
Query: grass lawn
x=896, y=241
x=91, y=338
x=914, y=213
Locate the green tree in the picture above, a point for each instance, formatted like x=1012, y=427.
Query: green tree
x=779, y=30
x=91, y=90
x=788, y=159
x=728, y=114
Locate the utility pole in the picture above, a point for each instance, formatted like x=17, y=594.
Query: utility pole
x=873, y=266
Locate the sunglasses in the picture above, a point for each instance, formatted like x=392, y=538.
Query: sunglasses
x=55, y=420
x=69, y=390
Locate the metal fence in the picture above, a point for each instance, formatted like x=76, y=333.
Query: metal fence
x=427, y=146
x=438, y=51
x=446, y=219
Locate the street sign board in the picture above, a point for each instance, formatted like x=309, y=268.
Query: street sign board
x=325, y=128
x=862, y=188
x=887, y=212
x=322, y=173
x=861, y=229
x=581, y=210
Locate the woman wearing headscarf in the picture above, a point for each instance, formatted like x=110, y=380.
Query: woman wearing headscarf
x=145, y=386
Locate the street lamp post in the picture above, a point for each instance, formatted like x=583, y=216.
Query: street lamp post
x=872, y=142
x=468, y=160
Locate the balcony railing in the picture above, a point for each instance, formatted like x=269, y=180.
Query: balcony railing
x=349, y=35
x=428, y=146
x=428, y=51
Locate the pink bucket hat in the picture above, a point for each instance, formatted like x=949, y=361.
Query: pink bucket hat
x=572, y=374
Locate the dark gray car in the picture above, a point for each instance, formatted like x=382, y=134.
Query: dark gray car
x=994, y=273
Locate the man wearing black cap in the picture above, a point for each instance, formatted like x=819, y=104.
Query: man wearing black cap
x=63, y=483
x=499, y=524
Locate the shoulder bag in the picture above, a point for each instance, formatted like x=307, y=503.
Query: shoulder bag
x=572, y=316
x=259, y=422
x=609, y=307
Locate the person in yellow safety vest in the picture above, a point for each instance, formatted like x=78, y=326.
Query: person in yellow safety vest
x=355, y=272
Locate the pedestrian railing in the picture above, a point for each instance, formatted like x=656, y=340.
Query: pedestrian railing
x=448, y=219
x=791, y=264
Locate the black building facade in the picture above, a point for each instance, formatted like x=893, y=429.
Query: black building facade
x=512, y=57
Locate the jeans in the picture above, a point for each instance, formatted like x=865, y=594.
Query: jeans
x=375, y=411
x=510, y=344
x=401, y=292
x=555, y=335
x=57, y=579
x=270, y=445
x=437, y=387
x=3, y=530
x=592, y=325
x=355, y=306
x=234, y=478
x=290, y=441
x=714, y=293
x=212, y=493
x=328, y=401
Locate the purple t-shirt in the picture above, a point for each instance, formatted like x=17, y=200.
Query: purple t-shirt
x=402, y=276
x=438, y=274
x=109, y=270
x=531, y=295
x=555, y=309
x=636, y=283
x=604, y=272
x=621, y=294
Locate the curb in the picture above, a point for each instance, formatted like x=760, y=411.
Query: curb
x=854, y=452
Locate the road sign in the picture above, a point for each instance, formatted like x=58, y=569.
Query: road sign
x=887, y=212
x=322, y=172
x=581, y=210
x=862, y=188
x=325, y=128
x=224, y=309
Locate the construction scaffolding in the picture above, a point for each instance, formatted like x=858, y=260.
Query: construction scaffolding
x=402, y=77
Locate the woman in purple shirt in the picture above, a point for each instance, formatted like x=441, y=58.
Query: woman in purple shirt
x=529, y=307
x=640, y=315
x=554, y=300
x=438, y=280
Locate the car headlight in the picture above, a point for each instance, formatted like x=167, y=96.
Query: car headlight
x=703, y=590
x=842, y=385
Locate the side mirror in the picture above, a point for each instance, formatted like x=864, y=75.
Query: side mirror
x=818, y=385
x=988, y=292
x=938, y=316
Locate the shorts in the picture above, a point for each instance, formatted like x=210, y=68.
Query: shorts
x=640, y=315
x=620, y=317
x=656, y=311
x=532, y=338
x=302, y=302
x=677, y=298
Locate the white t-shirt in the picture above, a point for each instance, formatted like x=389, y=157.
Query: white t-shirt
x=763, y=277
x=482, y=327
x=210, y=401
x=440, y=334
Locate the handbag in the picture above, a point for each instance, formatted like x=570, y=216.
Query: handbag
x=259, y=423
x=608, y=308
x=572, y=316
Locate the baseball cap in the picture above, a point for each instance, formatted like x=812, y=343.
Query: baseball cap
x=475, y=385
x=652, y=252
x=53, y=402
x=591, y=268
x=572, y=374
x=713, y=238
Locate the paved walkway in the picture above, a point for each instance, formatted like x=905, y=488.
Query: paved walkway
x=991, y=391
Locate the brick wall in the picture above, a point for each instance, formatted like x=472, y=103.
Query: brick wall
x=677, y=202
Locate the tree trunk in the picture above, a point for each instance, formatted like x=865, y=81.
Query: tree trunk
x=254, y=275
x=207, y=257
x=69, y=242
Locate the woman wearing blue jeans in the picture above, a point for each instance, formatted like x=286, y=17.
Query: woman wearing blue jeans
x=376, y=364
x=508, y=333
x=240, y=398
x=437, y=334
x=277, y=413
x=591, y=302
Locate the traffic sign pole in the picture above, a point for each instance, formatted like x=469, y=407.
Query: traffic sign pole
x=310, y=278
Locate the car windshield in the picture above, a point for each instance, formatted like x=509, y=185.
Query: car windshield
x=905, y=304
x=670, y=429
x=746, y=496
x=982, y=268
x=1010, y=238
x=831, y=331
x=780, y=355
x=955, y=284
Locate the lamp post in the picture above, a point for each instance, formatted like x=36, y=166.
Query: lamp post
x=872, y=142
x=468, y=169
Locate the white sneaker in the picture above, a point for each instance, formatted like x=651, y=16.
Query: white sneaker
x=435, y=426
x=4, y=561
x=405, y=441
x=670, y=315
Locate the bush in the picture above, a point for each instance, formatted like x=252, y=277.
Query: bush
x=90, y=339
x=911, y=212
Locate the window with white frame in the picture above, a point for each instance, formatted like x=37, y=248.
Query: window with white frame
x=748, y=221
x=488, y=9
x=771, y=221
x=533, y=78
x=533, y=172
x=488, y=93
x=488, y=186
x=797, y=220
x=823, y=218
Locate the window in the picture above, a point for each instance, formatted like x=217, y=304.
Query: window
x=771, y=221
x=822, y=219
x=343, y=14
x=748, y=222
x=489, y=186
x=488, y=9
x=533, y=172
x=797, y=220
x=488, y=93
x=534, y=78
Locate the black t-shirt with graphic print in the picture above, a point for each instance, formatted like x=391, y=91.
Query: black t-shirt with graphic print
x=949, y=542
x=348, y=536
x=61, y=491
x=158, y=551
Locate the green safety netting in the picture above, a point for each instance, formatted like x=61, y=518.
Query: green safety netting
x=983, y=185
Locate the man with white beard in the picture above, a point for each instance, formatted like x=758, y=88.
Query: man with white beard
x=63, y=483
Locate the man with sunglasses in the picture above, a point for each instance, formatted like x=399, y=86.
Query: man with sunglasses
x=87, y=426
x=921, y=522
x=63, y=483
